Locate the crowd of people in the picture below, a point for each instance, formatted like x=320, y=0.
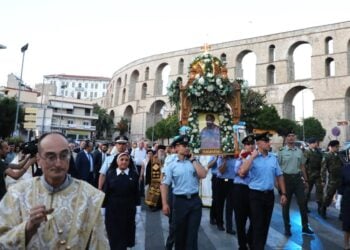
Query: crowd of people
x=74, y=195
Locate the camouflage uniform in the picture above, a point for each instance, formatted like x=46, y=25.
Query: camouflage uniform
x=332, y=164
x=313, y=169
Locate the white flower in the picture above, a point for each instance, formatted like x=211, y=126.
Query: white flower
x=229, y=127
x=218, y=81
x=210, y=74
x=194, y=130
x=221, y=117
x=196, y=150
x=197, y=93
x=201, y=80
x=211, y=104
x=198, y=75
x=210, y=88
x=190, y=119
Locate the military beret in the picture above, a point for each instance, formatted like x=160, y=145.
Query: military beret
x=121, y=139
x=262, y=137
x=248, y=140
x=333, y=143
x=161, y=147
x=312, y=140
x=182, y=140
x=290, y=131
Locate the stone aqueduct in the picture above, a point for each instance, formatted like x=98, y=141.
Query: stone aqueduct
x=135, y=91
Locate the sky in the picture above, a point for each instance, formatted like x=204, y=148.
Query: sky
x=97, y=37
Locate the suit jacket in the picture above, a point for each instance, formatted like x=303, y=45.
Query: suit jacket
x=82, y=163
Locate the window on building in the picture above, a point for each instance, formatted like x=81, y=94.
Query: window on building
x=85, y=123
x=69, y=111
x=147, y=74
x=86, y=85
x=79, y=85
x=272, y=53
x=95, y=95
x=91, y=94
x=223, y=58
x=87, y=112
x=92, y=85
x=85, y=94
x=73, y=84
x=96, y=85
x=330, y=67
x=104, y=86
x=329, y=45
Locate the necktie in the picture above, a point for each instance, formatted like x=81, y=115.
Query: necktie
x=122, y=173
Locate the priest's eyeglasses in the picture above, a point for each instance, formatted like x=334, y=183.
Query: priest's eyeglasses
x=51, y=157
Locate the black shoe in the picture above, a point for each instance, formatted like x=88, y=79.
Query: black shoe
x=287, y=233
x=212, y=222
x=221, y=228
x=307, y=230
x=233, y=232
x=323, y=212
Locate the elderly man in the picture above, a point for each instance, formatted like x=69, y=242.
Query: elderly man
x=53, y=211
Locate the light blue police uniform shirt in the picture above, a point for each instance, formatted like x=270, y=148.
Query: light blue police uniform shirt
x=183, y=177
x=214, y=168
x=230, y=168
x=239, y=180
x=263, y=172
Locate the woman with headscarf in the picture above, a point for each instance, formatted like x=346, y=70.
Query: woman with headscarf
x=122, y=196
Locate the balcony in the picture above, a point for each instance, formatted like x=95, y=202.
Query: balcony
x=80, y=116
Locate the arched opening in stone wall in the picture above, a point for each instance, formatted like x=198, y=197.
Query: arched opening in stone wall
x=348, y=57
x=330, y=67
x=271, y=74
x=246, y=67
x=144, y=91
x=298, y=103
x=128, y=113
x=154, y=113
x=123, y=95
x=147, y=74
x=181, y=66
x=347, y=112
x=329, y=45
x=223, y=58
x=271, y=53
x=162, y=79
x=134, y=78
x=112, y=115
x=299, y=61
x=117, y=91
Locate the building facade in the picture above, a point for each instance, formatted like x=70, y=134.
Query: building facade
x=135, y=91
x=79, y=87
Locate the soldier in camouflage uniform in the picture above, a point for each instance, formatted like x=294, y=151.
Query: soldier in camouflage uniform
x=332, y=164
x=313, y=157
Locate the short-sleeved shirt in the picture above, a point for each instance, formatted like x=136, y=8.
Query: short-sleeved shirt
x=263, y=171
x=3, y=167
x=214, y=168
x=239, y=180
x=106, y=164
x=230, y=168
x=290, y=159
x=182, y=175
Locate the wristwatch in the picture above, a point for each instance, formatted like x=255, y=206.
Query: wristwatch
x=193, y=160
x=283, y=194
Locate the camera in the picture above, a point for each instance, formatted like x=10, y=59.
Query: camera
x=30, y=147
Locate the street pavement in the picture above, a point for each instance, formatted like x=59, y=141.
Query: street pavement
x=152, y=231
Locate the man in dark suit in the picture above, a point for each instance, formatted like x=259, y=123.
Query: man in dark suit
x=85, y=164
x=99, y=156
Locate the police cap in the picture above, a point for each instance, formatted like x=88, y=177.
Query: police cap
x=248, y=140
x=121, y=139
x=181, y=140
x=312, y=140
x=262, y=137
x=333, y=143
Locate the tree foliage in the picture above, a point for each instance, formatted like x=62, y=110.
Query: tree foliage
x=164, y=129
x=8, y=108
x=104, y=124
x=312, y=128
x=122, y=126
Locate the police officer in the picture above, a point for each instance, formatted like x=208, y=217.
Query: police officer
x=225, y=176
x=313, y=159
x=291, y=160
x=241, y=200
x=184, y=175
x=213, y=166
x=332, y=164
x=263, y=170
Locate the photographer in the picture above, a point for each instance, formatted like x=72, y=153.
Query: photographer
x=7, y=169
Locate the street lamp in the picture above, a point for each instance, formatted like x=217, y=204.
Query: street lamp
x=23, y=50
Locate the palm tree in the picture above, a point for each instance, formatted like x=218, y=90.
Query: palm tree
x=104, y=124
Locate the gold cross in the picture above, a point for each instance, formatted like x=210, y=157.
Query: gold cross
x=205, y=48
